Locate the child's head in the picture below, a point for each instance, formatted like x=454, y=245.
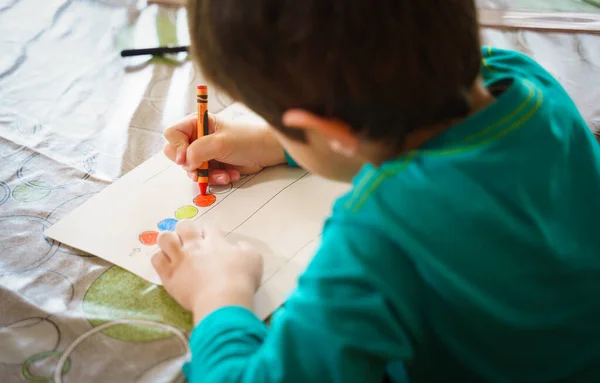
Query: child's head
x=355, y=72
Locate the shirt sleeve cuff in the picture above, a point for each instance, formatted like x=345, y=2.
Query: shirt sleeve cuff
x=220, y=328
x=222, y=319
x=290, y=160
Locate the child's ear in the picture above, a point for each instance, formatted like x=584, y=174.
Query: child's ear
x=340, y=137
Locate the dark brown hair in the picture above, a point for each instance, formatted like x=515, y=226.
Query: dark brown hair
x=384, y=67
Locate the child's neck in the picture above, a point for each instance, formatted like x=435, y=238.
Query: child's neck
x=479, y=97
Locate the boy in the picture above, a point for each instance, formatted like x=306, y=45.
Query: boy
x=466, y=250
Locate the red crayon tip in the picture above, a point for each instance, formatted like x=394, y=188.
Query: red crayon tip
x=202, y=87
x=203, y=187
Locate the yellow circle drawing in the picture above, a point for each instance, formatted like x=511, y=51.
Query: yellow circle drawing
x=186, y=212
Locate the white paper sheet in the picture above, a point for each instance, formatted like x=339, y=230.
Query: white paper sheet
x=280, y=211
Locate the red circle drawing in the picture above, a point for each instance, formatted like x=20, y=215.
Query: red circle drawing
x=204, y=200
x=149, y=237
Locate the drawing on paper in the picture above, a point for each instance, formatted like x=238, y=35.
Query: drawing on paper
x=167, y=224
x=186, y=212
x=148, y=238
x=204, y=200
x=222, y=189
x=279, y=210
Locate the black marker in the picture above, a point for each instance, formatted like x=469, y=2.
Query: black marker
x=153, y=51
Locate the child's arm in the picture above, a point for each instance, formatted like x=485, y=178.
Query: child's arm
x=234, y=148
x=354, y=311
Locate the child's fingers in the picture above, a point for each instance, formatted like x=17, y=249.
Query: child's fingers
x=179, y=137
x=161, y=264
x=170, y=151
x=234, y=174
x=170, y=244
x=186, y=130
x=213, y=123
x=180, y=154
x=183, y=130
x=213, y=232
x=219, y=177
x=222, y=174
x=204, y=149
x=187, y=231
x=193, y=176
x=175, y=153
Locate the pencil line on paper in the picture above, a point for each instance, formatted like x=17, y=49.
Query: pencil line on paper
x=157, y=174
x=153, y=247
x=248, y=179
x=290, y=259
x=225, y=197
x=269, y=200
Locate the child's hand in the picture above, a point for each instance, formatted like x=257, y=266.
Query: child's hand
x=204, y=272
x=232, y=148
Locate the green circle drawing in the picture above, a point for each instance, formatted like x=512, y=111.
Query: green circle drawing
x=34, y=191
x=186, y=212
x=119, y=294
x=42, y=355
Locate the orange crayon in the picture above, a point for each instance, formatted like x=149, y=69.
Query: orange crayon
x=202, y=128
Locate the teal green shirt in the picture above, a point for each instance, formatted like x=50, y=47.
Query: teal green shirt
x=475, y=258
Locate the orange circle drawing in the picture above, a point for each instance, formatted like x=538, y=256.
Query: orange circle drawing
x=149, y=237
x=204, y=200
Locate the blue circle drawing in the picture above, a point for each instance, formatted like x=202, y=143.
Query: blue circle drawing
x=4, y=192
x=167, y=224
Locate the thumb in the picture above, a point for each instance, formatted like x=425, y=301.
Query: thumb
x=161, y=264
x=204, y=149
x=178, y=137
x=213, y=123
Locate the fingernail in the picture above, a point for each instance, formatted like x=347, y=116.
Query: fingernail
x=179, y=158
x=220, y=178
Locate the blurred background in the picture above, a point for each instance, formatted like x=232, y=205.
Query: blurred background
x=549, y=5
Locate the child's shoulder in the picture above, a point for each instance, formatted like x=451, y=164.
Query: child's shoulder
x=559, y=108
x=427, y=190
x=498, y=64
x=382, y=195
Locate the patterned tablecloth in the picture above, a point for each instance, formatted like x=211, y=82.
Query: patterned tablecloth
x=74, y=117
